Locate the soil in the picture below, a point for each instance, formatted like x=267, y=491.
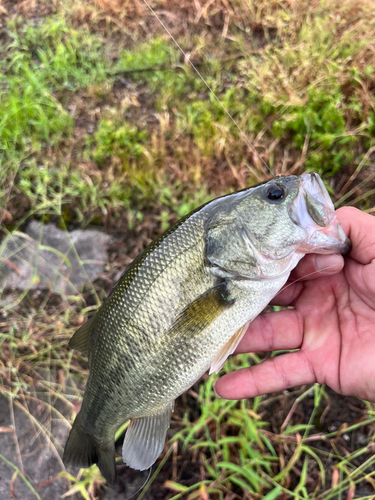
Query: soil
x=40, y=462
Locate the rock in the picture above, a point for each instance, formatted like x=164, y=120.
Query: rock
x=35, y=444
x=48, y=257
x=36, y=455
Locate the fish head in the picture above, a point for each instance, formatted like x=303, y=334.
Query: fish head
x=264, y=231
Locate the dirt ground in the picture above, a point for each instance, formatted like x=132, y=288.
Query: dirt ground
x=31, y=447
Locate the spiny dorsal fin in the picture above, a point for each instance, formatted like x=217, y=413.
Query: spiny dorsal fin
x=200, y=313
x=145, y=438
x=80, y=339
x=228, y=349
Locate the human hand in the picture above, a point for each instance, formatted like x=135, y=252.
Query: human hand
x=332, y=324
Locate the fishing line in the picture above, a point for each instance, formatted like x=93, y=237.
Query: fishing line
x=208, y=86
x=143, y=485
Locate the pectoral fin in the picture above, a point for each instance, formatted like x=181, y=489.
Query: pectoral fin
x=228, y=349
x=200, y=313
x=145, y=438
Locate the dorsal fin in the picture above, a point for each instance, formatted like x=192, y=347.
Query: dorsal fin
x=80, y=340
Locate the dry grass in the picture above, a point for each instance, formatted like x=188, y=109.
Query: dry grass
x=104, y=121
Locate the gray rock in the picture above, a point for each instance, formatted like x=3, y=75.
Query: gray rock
x=29, y=449
x=48, y=257
x=34, y=445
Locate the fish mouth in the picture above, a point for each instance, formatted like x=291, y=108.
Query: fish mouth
x=313, y=210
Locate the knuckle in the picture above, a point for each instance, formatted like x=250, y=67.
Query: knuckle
x=267, y=333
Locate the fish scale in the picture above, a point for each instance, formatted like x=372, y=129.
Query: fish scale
x=130, y=304
x=183, y=305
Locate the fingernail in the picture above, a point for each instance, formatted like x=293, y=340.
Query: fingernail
x=330, y=264
x=216, y=394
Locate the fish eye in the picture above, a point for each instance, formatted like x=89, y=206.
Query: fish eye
x=275, y=193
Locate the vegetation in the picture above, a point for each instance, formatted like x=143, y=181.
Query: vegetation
x=103, y=121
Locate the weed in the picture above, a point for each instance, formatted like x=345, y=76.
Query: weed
x=121, y=140
x=102, y=120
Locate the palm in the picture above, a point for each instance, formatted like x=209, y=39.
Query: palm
x=332, y=324
x=339, y=333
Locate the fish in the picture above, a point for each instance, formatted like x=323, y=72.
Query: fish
x=182, y=307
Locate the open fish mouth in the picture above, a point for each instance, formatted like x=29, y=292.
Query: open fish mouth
x=313, y=210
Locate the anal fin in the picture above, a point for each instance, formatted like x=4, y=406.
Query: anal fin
x=228, y=349
x=145, y=438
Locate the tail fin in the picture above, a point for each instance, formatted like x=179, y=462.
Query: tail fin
x=83, y=450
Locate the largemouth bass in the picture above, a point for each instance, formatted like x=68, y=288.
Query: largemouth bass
x=182, y=307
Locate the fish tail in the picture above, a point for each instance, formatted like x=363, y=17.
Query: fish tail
x=82, y=449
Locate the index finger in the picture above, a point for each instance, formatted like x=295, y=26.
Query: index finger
x=273, y=331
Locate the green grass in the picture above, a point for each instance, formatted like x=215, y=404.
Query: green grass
x=101, y=123
x=304, y=95
x=312, y=84
x=40, y=63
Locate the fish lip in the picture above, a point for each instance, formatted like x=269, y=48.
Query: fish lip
x=347, y=244
x=325, y=234
x=346, y=251
x=337, y=239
